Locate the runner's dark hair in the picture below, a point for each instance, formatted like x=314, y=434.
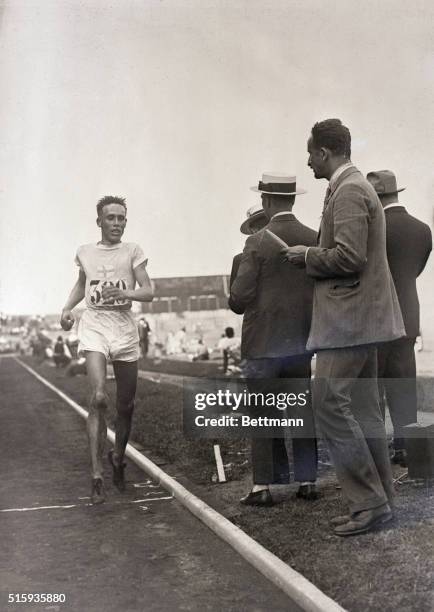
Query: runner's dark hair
x=108, y=199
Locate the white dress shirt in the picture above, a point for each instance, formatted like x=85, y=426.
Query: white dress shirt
x=279, y=214
x=332, y=183
x=394, y=204
x=337, y=173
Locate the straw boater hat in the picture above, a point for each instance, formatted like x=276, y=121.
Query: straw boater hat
x=278, y=184
x=254, y=214
x=384, y=182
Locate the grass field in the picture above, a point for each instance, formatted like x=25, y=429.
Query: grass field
x=425, y=379
x=183, y=368
x=389, y=570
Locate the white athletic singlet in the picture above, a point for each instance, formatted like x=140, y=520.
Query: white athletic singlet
x=111, y=265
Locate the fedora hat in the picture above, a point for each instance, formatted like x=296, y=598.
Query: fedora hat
x=384, y=182
x=254, y=214
x=278, y=184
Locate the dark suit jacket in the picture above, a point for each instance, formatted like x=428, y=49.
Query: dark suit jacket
x=275, y=296
x=409, y=244
x=235, y=265
x=355, y=301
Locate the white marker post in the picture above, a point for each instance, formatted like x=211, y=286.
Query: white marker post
x=218, y=459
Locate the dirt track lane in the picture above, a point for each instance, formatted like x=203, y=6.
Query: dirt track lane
x=150, y=555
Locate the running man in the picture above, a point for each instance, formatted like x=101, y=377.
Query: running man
x=108, y=273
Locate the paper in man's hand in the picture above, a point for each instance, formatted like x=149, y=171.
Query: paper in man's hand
x=272, y=245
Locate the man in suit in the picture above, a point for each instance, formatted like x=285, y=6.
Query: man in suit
x=277, y=302
x=408, y=245
x=355, y=307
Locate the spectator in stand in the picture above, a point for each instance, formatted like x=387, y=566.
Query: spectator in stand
x=72, y=343
x=41, y=345
x=198, y=331
x=202, y=353
x=180, y=340
x=61, y=356
x=144, y=331
x=170, y=348
x=230, y=344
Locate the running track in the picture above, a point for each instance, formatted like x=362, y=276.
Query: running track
x=126, y=554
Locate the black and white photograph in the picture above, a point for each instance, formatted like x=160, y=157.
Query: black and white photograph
x=216, y=306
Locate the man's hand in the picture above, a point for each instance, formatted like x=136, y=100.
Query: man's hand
x=110, y=294
x=296, y=255
x=67, y=320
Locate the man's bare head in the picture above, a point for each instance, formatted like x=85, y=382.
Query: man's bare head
x=109, y=200
x=112, y=218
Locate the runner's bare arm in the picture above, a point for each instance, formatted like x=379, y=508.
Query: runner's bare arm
x=143, y=294
x=77, y=294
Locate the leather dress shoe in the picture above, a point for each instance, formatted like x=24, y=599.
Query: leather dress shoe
x=258, y=498
x=361, y=522
x=340, y=520
x=344, y=518
x=307, y=492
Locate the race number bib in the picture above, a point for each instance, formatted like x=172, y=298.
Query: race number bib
x=95, y=292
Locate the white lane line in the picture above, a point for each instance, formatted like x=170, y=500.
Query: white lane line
x=148, y=499
x=147, y=483
x=39, y=508
x=298, y=588
x=67, y=506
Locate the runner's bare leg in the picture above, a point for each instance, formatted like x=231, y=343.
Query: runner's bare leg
x=126, y=384
x=96, y=365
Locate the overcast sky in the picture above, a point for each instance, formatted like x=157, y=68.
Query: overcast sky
x=180, y=106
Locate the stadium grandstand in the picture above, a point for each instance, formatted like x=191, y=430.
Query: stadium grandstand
x=188, y=293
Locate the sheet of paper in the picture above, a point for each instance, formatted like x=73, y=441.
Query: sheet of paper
x=271, y=244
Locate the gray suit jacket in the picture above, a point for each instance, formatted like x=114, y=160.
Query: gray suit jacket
x=275, y=296
x=355, y=301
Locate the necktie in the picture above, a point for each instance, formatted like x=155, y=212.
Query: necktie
x=326, y=199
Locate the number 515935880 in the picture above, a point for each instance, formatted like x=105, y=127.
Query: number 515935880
x=36, y=598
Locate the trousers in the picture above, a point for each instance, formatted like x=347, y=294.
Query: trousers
x=269, y=455
x=347, y=411
x=397, y=385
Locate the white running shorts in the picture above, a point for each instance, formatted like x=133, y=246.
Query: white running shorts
x=111, y=332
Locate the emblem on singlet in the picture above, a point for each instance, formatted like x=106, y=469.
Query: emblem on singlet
x=96, y=286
